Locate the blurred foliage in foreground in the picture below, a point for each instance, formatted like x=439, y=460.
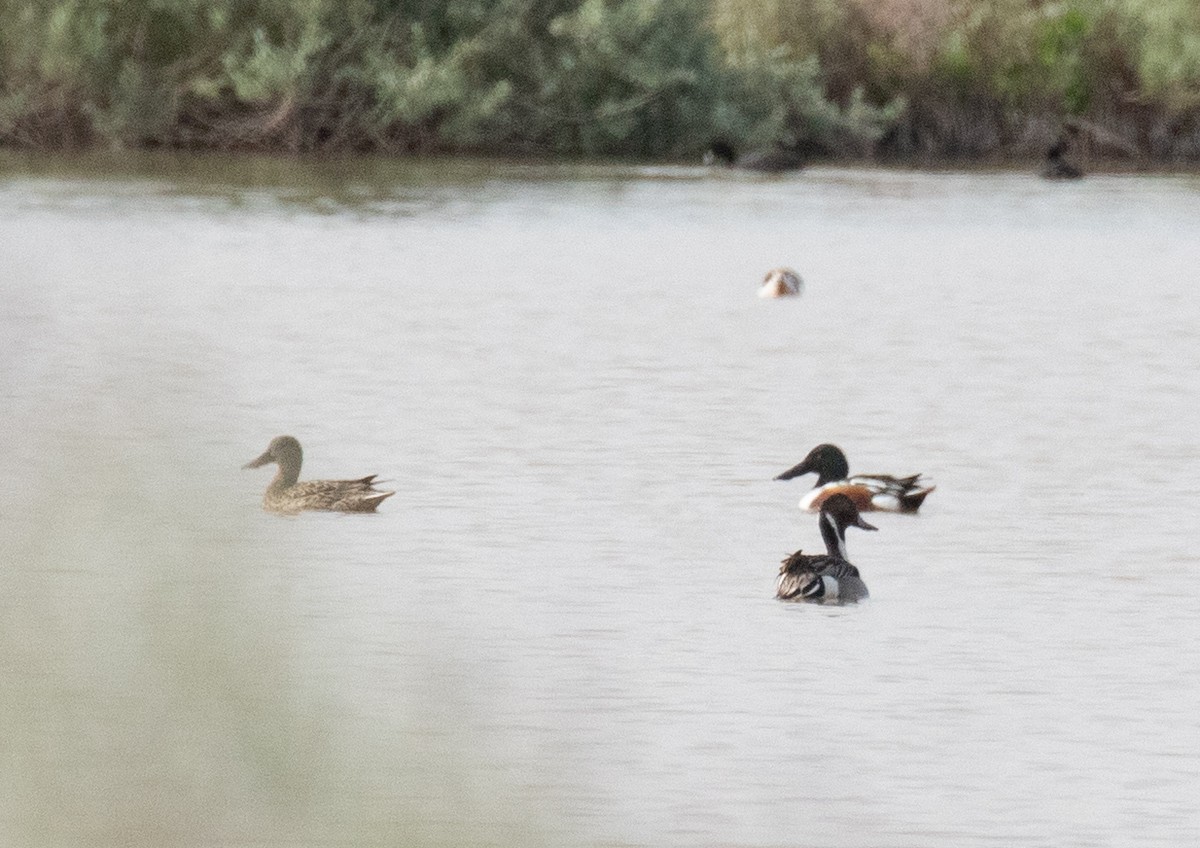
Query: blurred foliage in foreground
x=158, y=683
x=646, y=78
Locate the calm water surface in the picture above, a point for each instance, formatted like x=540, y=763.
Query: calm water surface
x=567, y=376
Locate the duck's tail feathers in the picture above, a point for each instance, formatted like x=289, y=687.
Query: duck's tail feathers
x=790, y=588
x=911, y=501
x=366, y=483
x=374, y=499
x=793, y=558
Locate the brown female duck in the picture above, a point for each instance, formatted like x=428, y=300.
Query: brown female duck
x=288, y=495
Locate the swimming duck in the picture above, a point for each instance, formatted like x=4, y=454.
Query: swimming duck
x=781, y=282
x=775, y=160
x=287, y=495
x=868, y=491
x=827, y=577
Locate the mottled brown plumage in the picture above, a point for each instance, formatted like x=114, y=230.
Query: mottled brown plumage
x=287, y=495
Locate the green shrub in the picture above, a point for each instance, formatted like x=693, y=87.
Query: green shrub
x=1164, y=35
x=648, y=78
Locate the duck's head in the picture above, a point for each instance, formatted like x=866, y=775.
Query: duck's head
x=283, y=450
x=827, y=461
x=781, y=282
x=843, y=513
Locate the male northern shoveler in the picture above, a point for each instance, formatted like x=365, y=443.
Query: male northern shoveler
x=868, y=491
x=781, y=282
x=775, y=160
x=287, y=495
x=827, y=577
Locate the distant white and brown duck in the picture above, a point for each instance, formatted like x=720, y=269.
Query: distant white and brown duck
x=867, y=491
x=287, y=495
x=781, y=282
x=828, y=577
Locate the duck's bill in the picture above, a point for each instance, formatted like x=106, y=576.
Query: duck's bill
x=864, y=525
x=795, y=471
x=259, y=462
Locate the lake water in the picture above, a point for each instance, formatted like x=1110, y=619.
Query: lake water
x=561, y=630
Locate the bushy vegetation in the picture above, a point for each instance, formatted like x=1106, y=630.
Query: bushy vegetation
x=1003, y=75
x=640, y=77
x=646, y=78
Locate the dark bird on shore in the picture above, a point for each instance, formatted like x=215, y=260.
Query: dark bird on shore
x=775, y=160
x=828, y=577
x=1057, y=166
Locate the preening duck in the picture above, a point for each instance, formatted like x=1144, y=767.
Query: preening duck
x=868, y=491
x=827, y=577
x=775, y=160
x=781, y=282
x=287, y=495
